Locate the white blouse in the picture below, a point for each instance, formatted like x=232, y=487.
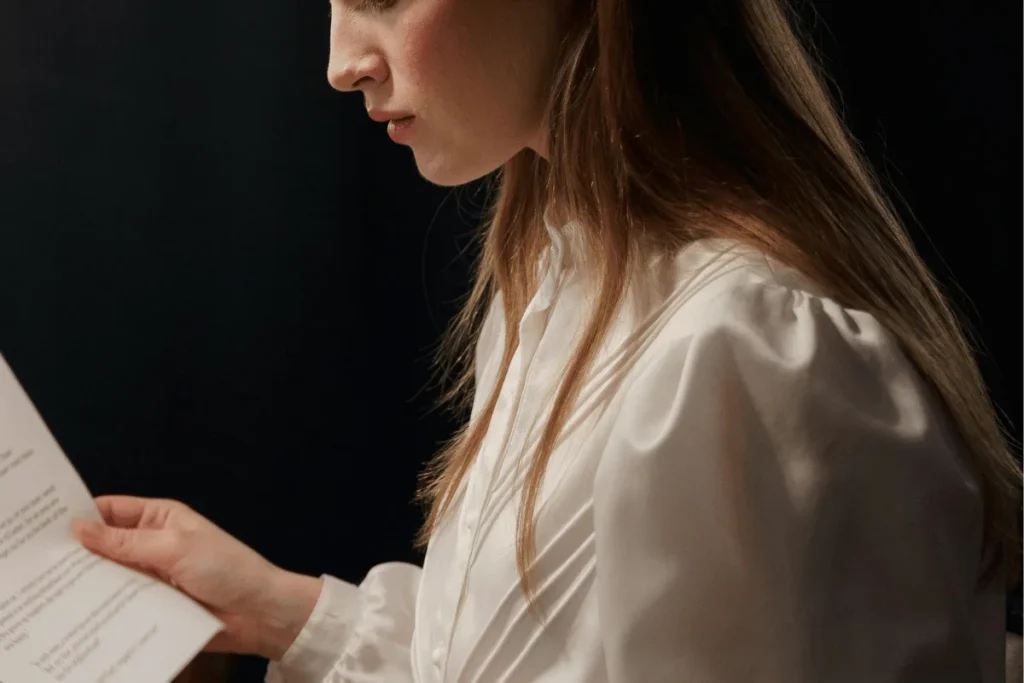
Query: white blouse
x=755, y=486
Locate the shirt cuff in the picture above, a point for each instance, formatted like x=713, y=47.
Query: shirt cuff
x=322, y=639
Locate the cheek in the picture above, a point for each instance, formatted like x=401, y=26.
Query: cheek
x=425, y=39
x=450, y=64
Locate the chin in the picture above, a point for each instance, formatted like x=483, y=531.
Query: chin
x=449, y=171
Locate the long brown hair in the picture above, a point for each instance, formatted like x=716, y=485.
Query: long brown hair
x=663, y=132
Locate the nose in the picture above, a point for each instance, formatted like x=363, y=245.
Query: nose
x=356, y=72
x=355, y=62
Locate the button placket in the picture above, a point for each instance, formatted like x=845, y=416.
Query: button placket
x=531, y=329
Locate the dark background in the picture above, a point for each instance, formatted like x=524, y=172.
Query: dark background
x=220, y=282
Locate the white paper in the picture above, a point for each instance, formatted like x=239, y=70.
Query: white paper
x=67, y=615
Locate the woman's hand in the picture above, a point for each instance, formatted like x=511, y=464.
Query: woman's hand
x=262, y=606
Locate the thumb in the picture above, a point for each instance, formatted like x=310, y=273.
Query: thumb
x=148, y=547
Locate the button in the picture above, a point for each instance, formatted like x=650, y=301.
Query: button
x=438, y=656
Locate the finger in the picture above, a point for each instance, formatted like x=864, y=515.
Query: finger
x=122, y=511
x=154, y=548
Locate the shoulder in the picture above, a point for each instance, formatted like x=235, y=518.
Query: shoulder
x=761, y=386
x=721, y=287
x=735, y=304
x=756, y=353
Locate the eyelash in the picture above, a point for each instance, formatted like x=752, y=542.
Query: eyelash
x=375, y=5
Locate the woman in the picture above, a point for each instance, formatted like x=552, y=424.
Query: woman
x=723, y=426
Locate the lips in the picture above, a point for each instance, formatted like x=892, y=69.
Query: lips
x=400, y=123
x=384, y=116
x=402, y=129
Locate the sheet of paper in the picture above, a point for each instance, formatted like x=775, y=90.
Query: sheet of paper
x=67, y=615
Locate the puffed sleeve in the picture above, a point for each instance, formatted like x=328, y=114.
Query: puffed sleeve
x=356, y=633
x=779, y=503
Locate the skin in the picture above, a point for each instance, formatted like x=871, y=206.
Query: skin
x=263, y=607
x=474, y=73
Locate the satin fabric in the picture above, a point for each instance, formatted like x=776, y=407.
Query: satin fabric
x=754, y=486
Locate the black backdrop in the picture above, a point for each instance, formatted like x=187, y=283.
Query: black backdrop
x=221, y=283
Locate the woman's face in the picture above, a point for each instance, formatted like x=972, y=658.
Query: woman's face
x=472, y=75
